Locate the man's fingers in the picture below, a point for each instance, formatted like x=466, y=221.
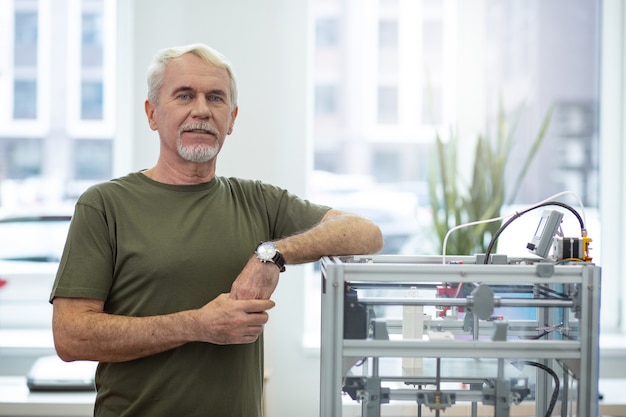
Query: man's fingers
x=257, y=306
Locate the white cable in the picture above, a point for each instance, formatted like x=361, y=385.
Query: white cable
x=495, y=219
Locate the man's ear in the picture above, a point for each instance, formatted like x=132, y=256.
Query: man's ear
x=233, y=116
x=150, y=109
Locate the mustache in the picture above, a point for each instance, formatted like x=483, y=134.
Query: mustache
x=202, y=126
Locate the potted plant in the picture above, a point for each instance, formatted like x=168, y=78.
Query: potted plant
x=455, y=201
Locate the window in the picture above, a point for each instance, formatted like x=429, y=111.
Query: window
x=92, y=54
x=388, y=33
x=386, y=165
x=91, y=70
x=91, y=103
x=326, y=100
x=92, y=28
x=25, y=99
x=327, y=33
x=92, y=159
x=25, y=52
x=25, y=63
x=56, y=136
x=24, y=156
x=464, y=69
x=59, y=93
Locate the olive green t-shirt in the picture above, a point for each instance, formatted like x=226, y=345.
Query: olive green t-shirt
x=147, y=248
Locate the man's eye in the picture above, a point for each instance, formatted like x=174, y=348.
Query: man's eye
x=215, y=98
x=184, y=96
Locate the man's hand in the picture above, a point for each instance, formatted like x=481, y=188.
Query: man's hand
x=226, y=321
x=257, y=281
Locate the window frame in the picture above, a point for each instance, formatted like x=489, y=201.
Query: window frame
x=89, y=128
x=612, y=152
x=612, y=199
x=38, y=126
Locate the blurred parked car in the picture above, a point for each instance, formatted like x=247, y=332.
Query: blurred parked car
x=31, y=243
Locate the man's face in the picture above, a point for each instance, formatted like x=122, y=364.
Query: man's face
x=195, y=111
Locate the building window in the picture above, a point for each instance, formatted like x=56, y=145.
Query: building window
x=92, y=29
x=92, y=159
x=91, y=50
x=26, y=32
x=90, y=92
x=24, y=157
x=388, y=33
x=25, y=99
x=327, y=33
x=386, y=166
x=91, y=100
x=326, y=100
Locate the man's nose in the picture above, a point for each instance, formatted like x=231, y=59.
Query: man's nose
x=202, y=108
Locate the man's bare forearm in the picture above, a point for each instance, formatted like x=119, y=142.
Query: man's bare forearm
x=94, y=335
x=82, y=331
x=339, y=233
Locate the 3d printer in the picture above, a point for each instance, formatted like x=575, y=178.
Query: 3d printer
x=465, y=335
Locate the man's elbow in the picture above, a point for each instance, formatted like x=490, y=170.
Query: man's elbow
x=63, y=345
x=370, y=237
x=72, y=325
x=377, y=241
x=65, y=356
x=66, y=337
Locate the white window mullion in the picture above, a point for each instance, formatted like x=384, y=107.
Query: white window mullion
x=73, y=72
x=6, y=64
x=44, y=65
x=109, y=66
x=612, y=169
x=77, y=127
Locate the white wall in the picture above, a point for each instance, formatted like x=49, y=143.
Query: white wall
x=267, y=42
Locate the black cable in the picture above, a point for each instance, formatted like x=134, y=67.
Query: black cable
x=552, y=295
x=547, y=290
x=519, y=214
x=555, y=377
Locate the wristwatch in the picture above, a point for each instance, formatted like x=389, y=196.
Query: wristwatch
x=267, y=252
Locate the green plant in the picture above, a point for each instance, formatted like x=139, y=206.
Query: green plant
x=454, y=201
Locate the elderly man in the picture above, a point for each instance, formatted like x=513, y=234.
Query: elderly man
x=167, y=273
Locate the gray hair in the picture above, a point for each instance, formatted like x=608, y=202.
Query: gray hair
x=208, y=54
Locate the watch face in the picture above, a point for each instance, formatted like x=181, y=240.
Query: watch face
x=266, y=251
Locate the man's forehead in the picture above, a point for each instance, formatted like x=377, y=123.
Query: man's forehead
x=194, y=72
x=190, y=65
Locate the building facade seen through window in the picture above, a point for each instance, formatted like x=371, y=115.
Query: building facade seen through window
x=391, y=76
x=402, y=73
x=56, y=123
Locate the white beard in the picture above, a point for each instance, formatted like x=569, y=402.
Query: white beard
x=198, y=153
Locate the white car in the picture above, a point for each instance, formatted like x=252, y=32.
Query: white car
x=24, y=291
x=31, y=244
